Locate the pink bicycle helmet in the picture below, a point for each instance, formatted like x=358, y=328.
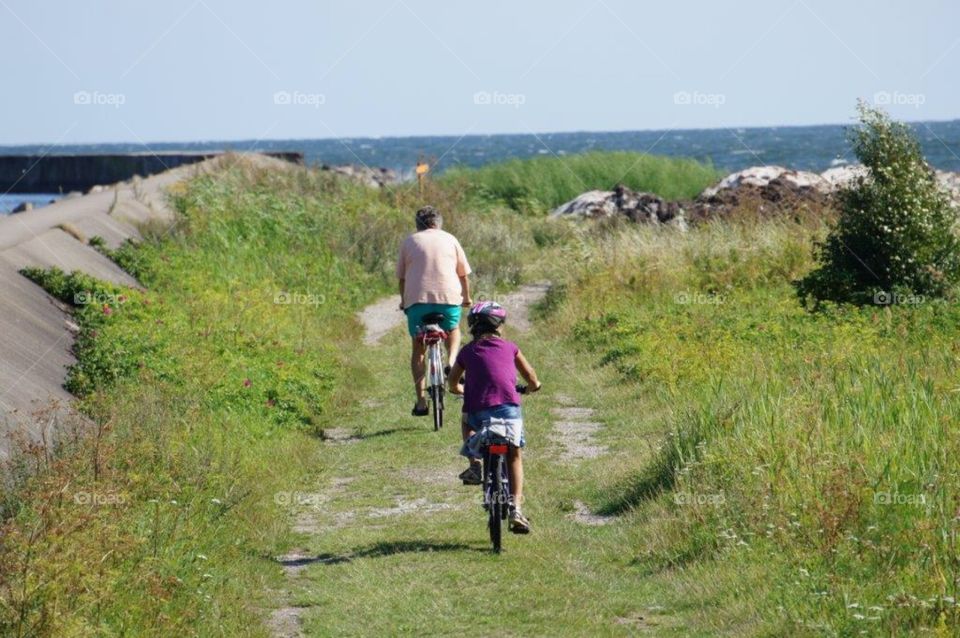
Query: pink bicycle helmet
x=486, y=315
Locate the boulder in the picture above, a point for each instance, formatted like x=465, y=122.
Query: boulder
x=589, y=205
x=372, y=177
x=950, y=182
x=842, y=176
x=761, y=176
x=23, y=207
x=639, y=207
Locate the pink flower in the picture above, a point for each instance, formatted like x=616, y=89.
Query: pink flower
x=107, y=310
x=247, y=383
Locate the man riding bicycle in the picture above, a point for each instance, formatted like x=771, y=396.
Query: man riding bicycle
x=433, y=273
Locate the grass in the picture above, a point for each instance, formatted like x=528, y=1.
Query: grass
x=769, y=471
x=537, y=185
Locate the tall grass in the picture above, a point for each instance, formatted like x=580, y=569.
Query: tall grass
x=815, y=447
x=536, y=185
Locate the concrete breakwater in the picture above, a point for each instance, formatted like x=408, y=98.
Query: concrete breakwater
x=66, y=173
x=36, y=331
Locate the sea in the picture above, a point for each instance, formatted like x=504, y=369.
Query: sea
x=813, y=148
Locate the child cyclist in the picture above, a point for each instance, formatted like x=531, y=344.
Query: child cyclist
x=490, y=363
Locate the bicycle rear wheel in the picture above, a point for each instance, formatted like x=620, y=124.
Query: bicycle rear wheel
x=495, y=518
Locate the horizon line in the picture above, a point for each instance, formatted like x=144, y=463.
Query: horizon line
x=182, y=142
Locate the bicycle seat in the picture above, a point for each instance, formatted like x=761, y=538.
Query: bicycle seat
x=433, y=318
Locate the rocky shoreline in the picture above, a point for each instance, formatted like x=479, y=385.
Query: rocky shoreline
x=762, y=190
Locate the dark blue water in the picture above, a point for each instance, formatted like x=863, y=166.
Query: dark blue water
x=813, y=148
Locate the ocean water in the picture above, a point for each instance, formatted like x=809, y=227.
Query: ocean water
x=11, y=201
x=813, y=148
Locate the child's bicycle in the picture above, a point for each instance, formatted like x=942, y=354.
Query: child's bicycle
x=432, y=336
x=496, y=484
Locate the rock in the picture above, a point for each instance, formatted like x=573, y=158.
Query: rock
x=372, y=177
x=950, y=182
x=96, y=189
x=644, y=208
x=762, y=176
x=843, y=176
x=23, y=208
x=590, y=205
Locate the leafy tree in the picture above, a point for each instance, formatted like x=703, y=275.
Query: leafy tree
x=895, y=239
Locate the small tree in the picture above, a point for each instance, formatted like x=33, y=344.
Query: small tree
x=895, y=237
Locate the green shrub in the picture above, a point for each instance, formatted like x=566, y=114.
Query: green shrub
x=894, y=241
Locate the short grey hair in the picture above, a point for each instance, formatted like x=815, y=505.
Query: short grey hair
x=429, y=217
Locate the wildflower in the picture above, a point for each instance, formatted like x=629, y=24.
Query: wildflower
x=247, y=383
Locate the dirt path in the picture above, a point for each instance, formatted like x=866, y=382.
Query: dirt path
x=349, y=501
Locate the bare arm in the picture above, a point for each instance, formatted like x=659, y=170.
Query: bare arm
x=528, y=373
x=456, y=372
x=402, y=282
x=465, y=291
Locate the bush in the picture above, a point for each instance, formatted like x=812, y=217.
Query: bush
x=894, y=239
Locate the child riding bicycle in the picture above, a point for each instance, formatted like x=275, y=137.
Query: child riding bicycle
x=490, y=363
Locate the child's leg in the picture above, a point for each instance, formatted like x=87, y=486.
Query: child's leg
x=515, y=467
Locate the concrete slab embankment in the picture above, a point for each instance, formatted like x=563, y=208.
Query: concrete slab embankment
x=36, y=333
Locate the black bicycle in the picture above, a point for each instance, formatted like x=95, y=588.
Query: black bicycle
x=496, y=484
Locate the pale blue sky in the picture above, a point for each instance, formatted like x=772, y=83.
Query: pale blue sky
x=189, y=70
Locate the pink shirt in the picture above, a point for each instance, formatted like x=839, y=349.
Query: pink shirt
x=431, y=263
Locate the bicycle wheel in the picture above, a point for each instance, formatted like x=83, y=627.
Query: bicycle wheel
x=436, y=397
x=495, y=520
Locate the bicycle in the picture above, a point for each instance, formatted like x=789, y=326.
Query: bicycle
x=432, y=336
x=496, y=478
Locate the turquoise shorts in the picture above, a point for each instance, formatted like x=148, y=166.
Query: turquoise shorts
x=416, y=313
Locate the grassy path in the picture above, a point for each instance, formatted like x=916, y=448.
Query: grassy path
x=390, y=542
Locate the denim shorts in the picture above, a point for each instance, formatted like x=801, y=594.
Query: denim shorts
x=506, y=411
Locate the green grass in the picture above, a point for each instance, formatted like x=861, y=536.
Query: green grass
x=537, y=185
x=781, y=436
x=751, y=444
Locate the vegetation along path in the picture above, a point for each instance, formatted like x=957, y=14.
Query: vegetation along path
x=389, y=540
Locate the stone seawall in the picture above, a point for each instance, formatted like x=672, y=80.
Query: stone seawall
x=66, y=173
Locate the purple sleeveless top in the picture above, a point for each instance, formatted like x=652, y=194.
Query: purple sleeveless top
x=491, y=374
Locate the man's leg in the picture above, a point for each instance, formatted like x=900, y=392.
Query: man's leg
x=418, y=369
x=453, y=345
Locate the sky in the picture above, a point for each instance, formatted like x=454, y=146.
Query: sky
x=102, y=71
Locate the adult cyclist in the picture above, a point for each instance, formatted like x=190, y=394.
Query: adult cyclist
x=433, y=273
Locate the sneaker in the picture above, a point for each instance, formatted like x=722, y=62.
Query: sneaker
x=473, y=475
x=518, y=522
